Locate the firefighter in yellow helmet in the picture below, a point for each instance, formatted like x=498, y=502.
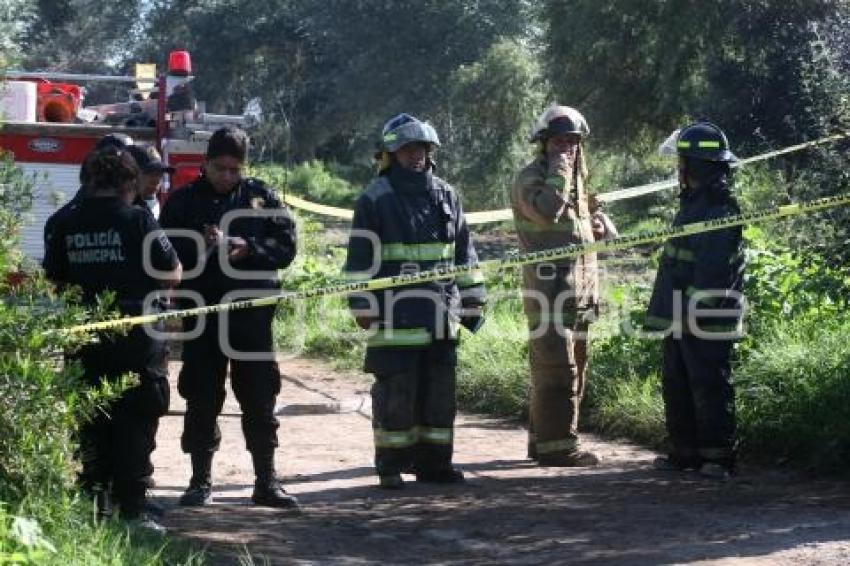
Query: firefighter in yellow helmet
x=551, y=209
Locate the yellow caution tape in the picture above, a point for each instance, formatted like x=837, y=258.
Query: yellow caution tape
x=300, y=203
x=504, y=214
x=515, y=260
x=650, y=188
x=487, y=216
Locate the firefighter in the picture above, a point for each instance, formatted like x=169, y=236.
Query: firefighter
x=410, y=220
x=697, y=302
x=98, y=246
x=551, y=209
x=259, y=241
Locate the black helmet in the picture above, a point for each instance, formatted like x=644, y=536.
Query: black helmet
x=704, y=141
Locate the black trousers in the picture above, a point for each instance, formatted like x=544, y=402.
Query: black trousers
x=116, y=444
x=255, y=383
x=699, y=399
x=413, y=409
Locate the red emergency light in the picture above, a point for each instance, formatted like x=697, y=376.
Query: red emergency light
x=179, y=63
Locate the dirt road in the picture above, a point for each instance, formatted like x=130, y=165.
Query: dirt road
x=510, y=512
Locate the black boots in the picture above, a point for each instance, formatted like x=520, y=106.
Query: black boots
x=267, y=489
x=446, y=475
x=199, y=492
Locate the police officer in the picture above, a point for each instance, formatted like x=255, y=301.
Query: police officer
x=98, y=246
x=410, y=220
x=551, y=209
x=118, y=141
x=697, y=303
x=150, y=181
x=238, y=256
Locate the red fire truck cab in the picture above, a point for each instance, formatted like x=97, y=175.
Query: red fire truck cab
x=49, y=137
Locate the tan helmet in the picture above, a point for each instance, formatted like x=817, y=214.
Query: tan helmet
x=559, y=120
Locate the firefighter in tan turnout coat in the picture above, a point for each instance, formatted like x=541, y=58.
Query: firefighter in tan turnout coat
x=551, y=209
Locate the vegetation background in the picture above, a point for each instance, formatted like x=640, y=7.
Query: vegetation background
x=323, y=76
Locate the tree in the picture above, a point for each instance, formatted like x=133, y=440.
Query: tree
x=331, y=70
x=486, y=124
x=77, y=35
x=629, y=65
x=15, y=17
x=763, y=70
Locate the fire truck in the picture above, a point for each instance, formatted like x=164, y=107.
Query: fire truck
x=48, y=130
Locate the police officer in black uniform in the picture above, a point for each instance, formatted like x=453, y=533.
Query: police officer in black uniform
x=697, y=303
x=98, y=246
x=411, y=220
x=258, y=242
x=118, y=141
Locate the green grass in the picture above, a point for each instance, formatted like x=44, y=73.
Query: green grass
x=623, y=388
x=62, y=532
x=793, y=393
x=493, y=363
x=322, y=329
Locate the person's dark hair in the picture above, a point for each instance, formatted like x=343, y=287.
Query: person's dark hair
x=117, y=141
x=109, y=167
x=229, y=141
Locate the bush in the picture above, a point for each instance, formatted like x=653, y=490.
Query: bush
x=312, y=180
x=42, y=400
x=793, y=394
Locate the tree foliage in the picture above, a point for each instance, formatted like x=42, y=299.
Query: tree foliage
x=767, y=71
x=77, y=35
x=487, y=122
x=325, y=75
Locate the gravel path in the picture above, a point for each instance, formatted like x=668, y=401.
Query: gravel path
x=510, y=511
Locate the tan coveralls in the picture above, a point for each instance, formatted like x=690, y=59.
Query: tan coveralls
x=551, y=209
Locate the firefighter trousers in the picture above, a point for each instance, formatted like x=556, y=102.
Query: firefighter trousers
x=244, y=342
x=414, y=410
x=699, y=399
x=116, y=444
x=558, y=359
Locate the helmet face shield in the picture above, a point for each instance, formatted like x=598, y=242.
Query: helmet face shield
x=668, y=146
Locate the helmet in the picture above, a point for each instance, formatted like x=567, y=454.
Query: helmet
x=559, y=120
x=704, y=141
x=404, y=129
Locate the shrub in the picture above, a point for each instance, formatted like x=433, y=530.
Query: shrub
x=42, y=401
x=312, y=180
